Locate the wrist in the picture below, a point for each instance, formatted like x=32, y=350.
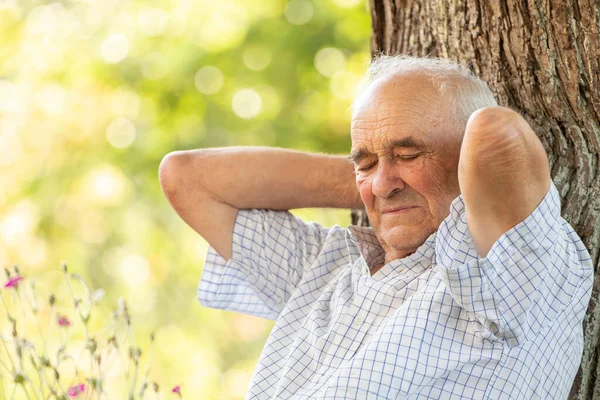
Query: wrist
x=335, y=183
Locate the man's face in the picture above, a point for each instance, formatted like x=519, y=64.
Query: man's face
x=406, y=153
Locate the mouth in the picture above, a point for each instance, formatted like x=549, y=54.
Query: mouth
x=397, y=210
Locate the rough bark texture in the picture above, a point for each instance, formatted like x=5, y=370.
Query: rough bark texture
x=542, y=58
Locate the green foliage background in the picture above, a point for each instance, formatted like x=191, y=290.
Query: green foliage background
x=94, y=93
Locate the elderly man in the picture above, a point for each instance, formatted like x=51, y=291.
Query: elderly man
x=468, y=285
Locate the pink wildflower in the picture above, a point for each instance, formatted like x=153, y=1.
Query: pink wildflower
x=176, y=389
x=63, y=321
x=13, y=282
x=75, y=390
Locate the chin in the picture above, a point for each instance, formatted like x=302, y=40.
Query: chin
x=402, y=238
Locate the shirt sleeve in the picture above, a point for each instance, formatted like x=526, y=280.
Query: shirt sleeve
x=531, y=274
x=270, y=252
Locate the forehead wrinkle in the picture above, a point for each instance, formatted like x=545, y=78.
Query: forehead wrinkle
x=395, y=102
x=388, y=131
x=383, y=118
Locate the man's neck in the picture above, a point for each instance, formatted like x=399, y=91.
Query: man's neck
x=387, y=260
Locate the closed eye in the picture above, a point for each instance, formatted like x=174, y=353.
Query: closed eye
x=366, y=167
x=408, y=157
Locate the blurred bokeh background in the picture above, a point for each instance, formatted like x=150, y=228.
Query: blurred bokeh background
x=93, y=93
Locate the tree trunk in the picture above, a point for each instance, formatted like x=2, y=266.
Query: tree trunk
x=542, y=58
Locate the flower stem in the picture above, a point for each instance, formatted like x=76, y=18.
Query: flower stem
x=2, y=385
x=24, y=316
x=25, y=390
x=4, y=365
x=8, y=353
x=5, y=306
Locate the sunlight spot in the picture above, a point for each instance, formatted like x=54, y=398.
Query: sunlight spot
x=125, y=103
x=51, y=98
x=246, y=103
x=18, y=224
x=152, y=21
x=343, y=85
x=224, y=27
x=106, y=185
x=120, y=133
x=177, y=23
x=124, y=23
x=114, y=48
x=33, y=251
x=209, y=80
x=298, y=12
x=271, y=101
x=134, y=269
x=47, y=19
x=257, y=57
x=329, y=60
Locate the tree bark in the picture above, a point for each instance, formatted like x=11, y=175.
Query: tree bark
x=541, y=58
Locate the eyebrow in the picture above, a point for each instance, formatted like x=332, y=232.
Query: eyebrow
x=409, y=141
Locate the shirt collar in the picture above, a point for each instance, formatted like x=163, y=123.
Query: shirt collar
x=362, y=242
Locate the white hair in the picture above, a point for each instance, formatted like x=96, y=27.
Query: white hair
x=454, y=82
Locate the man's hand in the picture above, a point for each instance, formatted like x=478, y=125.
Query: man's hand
x=207, y=187
x=503, y=173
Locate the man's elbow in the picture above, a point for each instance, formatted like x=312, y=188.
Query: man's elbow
x=171, y=174
x=499, y=143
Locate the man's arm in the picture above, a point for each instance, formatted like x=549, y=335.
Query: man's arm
x=503, y=173
x=207, y=187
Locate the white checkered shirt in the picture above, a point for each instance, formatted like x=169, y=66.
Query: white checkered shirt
x=442, y=323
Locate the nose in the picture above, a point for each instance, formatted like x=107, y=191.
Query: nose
x=386, y=180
